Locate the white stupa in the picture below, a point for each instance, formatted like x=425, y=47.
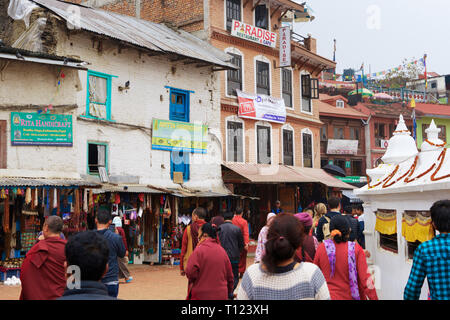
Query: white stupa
x=401, y=145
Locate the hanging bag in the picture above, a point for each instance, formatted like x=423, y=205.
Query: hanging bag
x=167, y=210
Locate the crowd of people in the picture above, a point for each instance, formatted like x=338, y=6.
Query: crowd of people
x=317, y=254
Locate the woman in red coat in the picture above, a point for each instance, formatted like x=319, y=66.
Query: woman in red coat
x=209, y=268
x=343, y=263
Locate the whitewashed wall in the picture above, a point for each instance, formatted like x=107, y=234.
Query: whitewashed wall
x=130, y=151
x=395, y=268
x=27, y=83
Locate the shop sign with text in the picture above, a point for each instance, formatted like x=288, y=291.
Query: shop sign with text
x=251, y=33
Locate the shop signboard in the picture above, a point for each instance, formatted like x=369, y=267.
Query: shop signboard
x=251, y=33
x=44, y=129
x=177, y=135
x=342, y=146
x=261, y=107
x=353, y=179
x=285, y=47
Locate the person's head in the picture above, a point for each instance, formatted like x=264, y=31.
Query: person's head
x=52, y=227
x=199, y=213
x=89, y=251
x=340, y=228
x=359, y=209
x=310, y=212
x=117, y=222
x=334, y=204
x=207, y=231
x=284, y=237
x=278, y=204
x=269, y=218
x=440, y=216
x=228, y=215
x=306, y=221
x=348, y=210
x=238, y=211
x=319, y=210
x=103, y=218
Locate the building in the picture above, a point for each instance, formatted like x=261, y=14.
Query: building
x=139, y=97
x=438, y=87
x=440, y=114
x=381, y=126
x=342, y=138
x=397, y=204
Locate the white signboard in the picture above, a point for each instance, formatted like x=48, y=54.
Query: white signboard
x=261, y=107
x=285, y=47
x=341, y=146
x=248, y=32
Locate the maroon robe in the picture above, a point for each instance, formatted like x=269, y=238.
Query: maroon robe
x=43, y=275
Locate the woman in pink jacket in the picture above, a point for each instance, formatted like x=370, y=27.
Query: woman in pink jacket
x=209, y=268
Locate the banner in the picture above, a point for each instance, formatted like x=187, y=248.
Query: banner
x=176, y=135
x=248, y=32
x=285, y=47
x=341, y=146
x=261, y=107
x=33, y=129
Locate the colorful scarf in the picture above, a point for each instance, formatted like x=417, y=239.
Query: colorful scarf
x=353, y=274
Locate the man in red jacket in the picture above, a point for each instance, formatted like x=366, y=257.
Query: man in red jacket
x=243, y=225
x=43, y=272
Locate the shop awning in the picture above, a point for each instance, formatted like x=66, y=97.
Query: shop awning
x=36, y=182
x=128, y=188
x=353, y=198
x=260, y=173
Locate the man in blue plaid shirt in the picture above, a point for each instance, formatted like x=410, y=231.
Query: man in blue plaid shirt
x=432, y=258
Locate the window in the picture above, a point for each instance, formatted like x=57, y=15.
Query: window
x=179, y=162
x=339, y=133
x=288, y=147
x=3, y=144
x=389, y=242
x=234, y=77
x=263, y=145
x=306, y=93
x=307, y=150
x=412, y=246
x=287, y=87
x=354, y=133
x=442, y=133
x=262, y=16
x=386, y=226
x=357, y=168
x=379, y=134
x=262, y=78
x=416, y=229
x=339, y=104
x=324, y=133
x=97, y=157
x=433, y=85
x=340, y=163
x=323, y=162
x=233, y=11
x=179, y=105
x=235, y=141
x=98, y=101
x=391, y=130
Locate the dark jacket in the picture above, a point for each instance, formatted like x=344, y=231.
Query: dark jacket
x=354, y=226
x=232, y=240
x=90, y=290
x=322, y=221
x=116, y=249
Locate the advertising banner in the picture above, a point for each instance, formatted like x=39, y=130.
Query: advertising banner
x=33, y=129
x=285, y=47
x=261, y=107
x=251, y=33
x=341, y=146
x=176, y=135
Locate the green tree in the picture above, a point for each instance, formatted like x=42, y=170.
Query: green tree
x=398, y=77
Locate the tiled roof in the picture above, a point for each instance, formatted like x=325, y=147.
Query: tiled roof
x=388, y=110
x=434, y=109
x=347, y=112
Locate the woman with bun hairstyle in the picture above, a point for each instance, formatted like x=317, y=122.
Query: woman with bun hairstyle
x=343, y=263
x=209, y=268
x=279, y=276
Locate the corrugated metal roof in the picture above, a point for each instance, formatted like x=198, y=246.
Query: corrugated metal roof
x=126, y=188
x=28, y=182
x=142, y=33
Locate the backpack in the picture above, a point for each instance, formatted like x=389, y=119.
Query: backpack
x=326, y=228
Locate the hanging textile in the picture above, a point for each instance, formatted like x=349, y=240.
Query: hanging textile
x=416, y=226
x=6, y=214
x=28, y=196
x=85, y=200
x=386, y=222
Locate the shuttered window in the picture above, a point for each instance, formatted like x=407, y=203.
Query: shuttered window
x=307, y=150
x=235, y=141
x=263, y=145
x=233, y=8
x=179, y=162
x=262, y=78
x=288, y=147
x=262, y=17
x=287, y=87
x=234, y=77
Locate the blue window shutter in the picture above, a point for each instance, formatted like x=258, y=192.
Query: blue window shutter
x=179, y=105
x=179, y=162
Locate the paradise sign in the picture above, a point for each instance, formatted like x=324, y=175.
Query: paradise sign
x=33, y=129
x=176, y=135
x=248, y=32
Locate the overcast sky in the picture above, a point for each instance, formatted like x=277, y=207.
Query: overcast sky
x=381, y=33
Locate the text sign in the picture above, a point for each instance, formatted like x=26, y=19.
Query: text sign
x=285, y=47
x=176, y=135
x=341, y=146
x=261, y=107
x=248, y=32
x=33, y=129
